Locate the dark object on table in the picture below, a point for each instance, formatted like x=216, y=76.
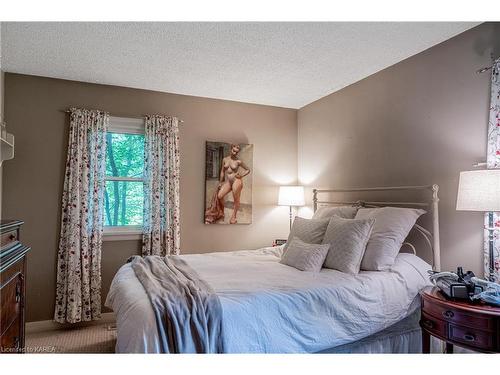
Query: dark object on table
x=279, y=242
x=472, y=326
x=457, y=285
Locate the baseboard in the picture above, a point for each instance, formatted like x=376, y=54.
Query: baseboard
x=50, y=325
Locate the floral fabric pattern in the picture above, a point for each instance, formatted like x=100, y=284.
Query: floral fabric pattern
x=493, y=161
x=78, y=291
x=161, y=232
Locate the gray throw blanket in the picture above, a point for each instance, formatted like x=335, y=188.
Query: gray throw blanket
x=188, y=312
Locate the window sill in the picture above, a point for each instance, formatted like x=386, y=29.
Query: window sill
x=122, y=234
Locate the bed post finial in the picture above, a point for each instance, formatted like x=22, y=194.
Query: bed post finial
x=315, y=199
x=435, y=189
x=435, y=228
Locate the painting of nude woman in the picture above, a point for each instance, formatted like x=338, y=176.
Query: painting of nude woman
x=228, y=183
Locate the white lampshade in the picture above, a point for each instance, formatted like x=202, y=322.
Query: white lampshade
x=479, y=190
x=291, y=196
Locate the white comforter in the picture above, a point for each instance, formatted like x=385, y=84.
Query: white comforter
x=272, y=308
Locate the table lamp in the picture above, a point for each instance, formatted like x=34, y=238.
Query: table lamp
x=480, y=191
x=291, y=196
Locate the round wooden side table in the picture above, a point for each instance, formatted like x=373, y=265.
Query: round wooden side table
x=468, y=325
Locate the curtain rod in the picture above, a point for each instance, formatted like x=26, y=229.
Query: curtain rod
x=485, y=69
x=125, y=116
x=482, y=70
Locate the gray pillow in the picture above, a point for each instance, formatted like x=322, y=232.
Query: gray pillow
x=347, y=239
x=307, y=230
x=347, y=212
x=392, y=225
x=305, y=256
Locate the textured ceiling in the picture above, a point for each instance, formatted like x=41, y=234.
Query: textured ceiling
x=281, y=64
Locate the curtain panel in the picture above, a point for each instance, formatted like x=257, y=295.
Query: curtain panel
x=161, y=232
x=78, y=291
x=493, y=161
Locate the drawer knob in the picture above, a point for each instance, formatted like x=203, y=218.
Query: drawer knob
x=427, y=324
x=12, y=237
x=18, y=291
x=448, y=314
x=469, y=337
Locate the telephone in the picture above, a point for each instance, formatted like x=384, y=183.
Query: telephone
x=457, y=285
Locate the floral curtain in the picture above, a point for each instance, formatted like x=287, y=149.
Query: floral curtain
x=78, y=292
x=161, y=232
x=493, y=161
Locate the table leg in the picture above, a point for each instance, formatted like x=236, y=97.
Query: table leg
x=449, y=348
x=426, y=342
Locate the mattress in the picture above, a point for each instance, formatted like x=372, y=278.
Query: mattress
x=269, y=307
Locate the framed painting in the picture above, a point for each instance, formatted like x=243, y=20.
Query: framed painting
x=228, y=183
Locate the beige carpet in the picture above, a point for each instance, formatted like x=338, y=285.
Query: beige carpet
x=91, y=339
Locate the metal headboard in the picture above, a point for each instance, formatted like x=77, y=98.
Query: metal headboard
x=431, y=238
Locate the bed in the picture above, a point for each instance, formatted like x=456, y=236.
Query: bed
x=268, y=307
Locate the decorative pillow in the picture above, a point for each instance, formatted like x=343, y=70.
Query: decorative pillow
x=305, y=256
x=347, y=212
x=392, y=225
x=347, y=239
x=307, y=230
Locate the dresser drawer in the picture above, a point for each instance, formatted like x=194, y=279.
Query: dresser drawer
x=12, y=287
x=460, y=317
x=476, y=338
x=9, y=238
x=434, y=325
x=11, y=341
x=11, y=301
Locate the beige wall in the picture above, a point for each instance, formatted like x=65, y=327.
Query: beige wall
x=1, y=111
x=421, y=121
x=1, y=119
x=34, y=179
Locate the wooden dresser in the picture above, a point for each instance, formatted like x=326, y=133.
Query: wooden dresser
x=12, y=287
x=471, y=326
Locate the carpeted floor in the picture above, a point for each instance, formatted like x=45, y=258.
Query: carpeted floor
x=98, y=338
x=101, y=338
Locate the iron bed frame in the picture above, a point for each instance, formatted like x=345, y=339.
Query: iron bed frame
x=432, y=204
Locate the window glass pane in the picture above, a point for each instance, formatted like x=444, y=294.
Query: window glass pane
x=123, y=203
x=124, y=155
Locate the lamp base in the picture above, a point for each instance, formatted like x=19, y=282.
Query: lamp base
x=491, y=243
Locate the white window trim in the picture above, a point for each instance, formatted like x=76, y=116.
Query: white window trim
x=122, y=233
x=132, y=179
x=126, y=125
x=125, y=232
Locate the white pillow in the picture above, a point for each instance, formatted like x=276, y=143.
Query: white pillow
x=347, y=212
x=392, y=225
x=347, y=239
x=305, y=256
x=307, y=230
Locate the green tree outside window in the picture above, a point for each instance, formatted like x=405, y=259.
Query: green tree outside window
x=124, y=179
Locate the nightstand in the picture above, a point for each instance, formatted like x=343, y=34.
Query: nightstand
x=471, y=326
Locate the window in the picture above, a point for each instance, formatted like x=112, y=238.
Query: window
x=124, y=193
